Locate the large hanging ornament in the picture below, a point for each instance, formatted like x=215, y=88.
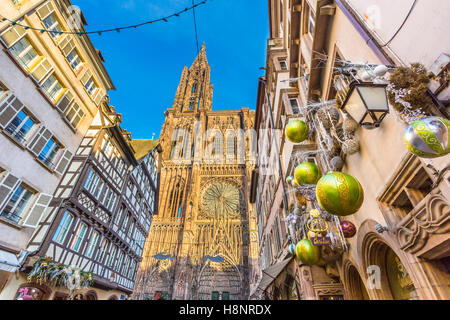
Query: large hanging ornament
x=348, y=229
x=307, y=173
x=307, y=253
x=339, y=193
x=291, y=249
x=428, y=137
x=296, y=131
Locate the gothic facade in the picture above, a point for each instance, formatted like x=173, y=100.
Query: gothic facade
x=203, y=241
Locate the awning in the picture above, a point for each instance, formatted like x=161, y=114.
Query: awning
x=271, y=273
x=8, y=261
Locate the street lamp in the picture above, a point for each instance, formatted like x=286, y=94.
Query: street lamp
x=367, y=103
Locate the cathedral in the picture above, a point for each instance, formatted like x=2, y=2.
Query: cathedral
x=203, y=242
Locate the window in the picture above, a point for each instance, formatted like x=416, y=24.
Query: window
x=74, y=59
x=75, y=114
x=63, y=227
x=103, y=249
x=283, y=65
x=3, y=89
x=225, y=295
x=20, y=126
x=119, y=261
x=52, y=88
x=92, y=243
x=215, y=295
x=79, y=236
x=311, y=22
x=131, y=228
x=112, y=256
x=90, y=86
x=125, y=222
x=89, y=180
x=24, y=52
x=294, y=105
x=118, y=216
x=51, y=23
x=49, y=152
x=17, y=204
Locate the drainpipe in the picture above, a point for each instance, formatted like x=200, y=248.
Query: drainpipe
x=385, y=59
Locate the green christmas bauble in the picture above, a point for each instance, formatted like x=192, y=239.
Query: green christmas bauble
x=339, y=193
x=307, y=253
x=307, y=173
x=428, y=137
x=296, y=131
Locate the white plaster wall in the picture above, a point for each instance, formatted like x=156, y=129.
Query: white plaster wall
x=424, y=35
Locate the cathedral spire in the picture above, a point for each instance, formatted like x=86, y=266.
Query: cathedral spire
x=195, y=90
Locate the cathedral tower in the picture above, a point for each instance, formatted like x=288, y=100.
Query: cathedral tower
x=203, y=240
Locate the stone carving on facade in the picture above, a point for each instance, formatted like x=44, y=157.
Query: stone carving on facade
x=417, y=228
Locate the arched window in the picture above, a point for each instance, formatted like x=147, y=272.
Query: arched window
x=194, y=87
x=176, y=200
x=231, y=148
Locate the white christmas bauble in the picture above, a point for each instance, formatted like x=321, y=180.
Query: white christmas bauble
x=380, y=70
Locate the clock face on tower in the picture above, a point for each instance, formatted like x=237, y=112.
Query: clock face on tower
x=221, y=198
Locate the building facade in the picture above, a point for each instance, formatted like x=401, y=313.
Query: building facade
x=51, y=86
x=203, y=243
x=400, y=249
x=99, y=217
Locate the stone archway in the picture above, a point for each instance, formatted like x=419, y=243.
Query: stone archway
x=219, y=280
x=389, y=277
x=354, y=283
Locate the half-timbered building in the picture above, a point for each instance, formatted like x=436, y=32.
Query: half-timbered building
x=51, y=86
x=101, y=214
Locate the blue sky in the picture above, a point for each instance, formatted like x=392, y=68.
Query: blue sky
x=145, y=64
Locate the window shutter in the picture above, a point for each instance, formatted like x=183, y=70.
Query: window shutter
x=12, y=35
x=8, y=184
x=68, y=47
x=98, y=97
x=86, y=76
x=64, y=41
x=65, y=101
x=41, y=70
x=9, y=109
x=39, y=140
x=45, y=10
x=37, y=210
x=63, y=163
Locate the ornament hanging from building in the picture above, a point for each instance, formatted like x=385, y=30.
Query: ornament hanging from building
x=307, y=253
x=291, y=249
x=428, y=137
x=348, y=229
x=339, y=193
x=307, y=173
x=289, y=180
x=296, y=131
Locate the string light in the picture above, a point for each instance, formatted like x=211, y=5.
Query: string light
x=99, y=32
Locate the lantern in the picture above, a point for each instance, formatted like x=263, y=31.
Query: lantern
x=428, y=137
x=339, y=193
x=307, y=173
x=367, y=103
x=296, y=131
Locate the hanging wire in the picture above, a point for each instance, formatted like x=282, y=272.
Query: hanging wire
x=117, y=29
x=195, y=26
